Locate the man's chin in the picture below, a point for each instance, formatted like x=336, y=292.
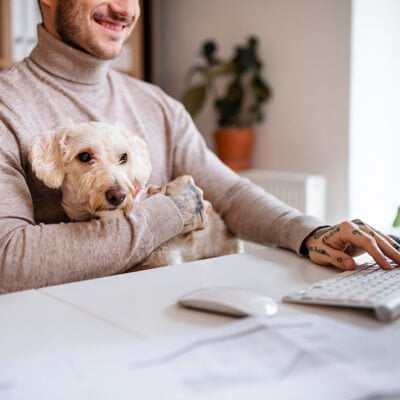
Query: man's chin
x=105, y=54
x=104, y=51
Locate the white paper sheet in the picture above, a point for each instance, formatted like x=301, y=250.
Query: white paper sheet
x=279, y=358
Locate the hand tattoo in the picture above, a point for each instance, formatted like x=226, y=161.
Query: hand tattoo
x=318, y=250
x=319, y=232
x=189, y=200
x=331, y=233
x=326, y=232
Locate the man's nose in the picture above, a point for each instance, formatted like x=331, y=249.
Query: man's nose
x=126, y=8
x=115, y=196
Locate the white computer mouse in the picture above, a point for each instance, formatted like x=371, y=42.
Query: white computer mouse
x=229, y=300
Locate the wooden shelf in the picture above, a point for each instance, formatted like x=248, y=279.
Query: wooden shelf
x=137, y=41
x=5, y=35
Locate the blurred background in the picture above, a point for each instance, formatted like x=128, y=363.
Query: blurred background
x=334, y=70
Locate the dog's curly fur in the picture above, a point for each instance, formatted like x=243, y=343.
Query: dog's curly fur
x=117, y=159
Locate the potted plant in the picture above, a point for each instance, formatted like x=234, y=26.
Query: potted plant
x=239, y=93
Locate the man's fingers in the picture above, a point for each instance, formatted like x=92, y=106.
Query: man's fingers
x=355, y=234
x=352, y=239
x=385, y=243
x=325, y=255
x=389, y=246
x=189, y=199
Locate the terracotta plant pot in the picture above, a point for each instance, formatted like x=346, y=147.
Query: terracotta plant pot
x=234, y=147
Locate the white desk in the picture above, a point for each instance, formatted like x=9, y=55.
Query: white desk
x=141, y=304
x=33, y=323
x=144, y=302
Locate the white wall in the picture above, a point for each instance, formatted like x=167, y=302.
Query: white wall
x=306, y=48
x=375, y=111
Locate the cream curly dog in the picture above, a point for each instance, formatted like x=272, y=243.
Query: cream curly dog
x=102, y=171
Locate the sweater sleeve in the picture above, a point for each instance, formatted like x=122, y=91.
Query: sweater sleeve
x=35, y=255
x=249, y=212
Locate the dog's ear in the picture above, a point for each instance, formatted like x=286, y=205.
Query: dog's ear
x=46, y=159
x=140, y=157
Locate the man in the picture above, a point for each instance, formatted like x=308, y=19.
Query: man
x=67, y=76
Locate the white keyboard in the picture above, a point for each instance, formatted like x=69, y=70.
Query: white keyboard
x=369, y=286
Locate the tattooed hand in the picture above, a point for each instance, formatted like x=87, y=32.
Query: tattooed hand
x=189, y=200
x=337, y=245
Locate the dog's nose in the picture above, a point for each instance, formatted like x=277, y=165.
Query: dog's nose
x=115, y=196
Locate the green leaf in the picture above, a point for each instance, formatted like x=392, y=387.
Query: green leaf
x=260, y=89
x=396, y=222
x=193, y=99
x=220, y=69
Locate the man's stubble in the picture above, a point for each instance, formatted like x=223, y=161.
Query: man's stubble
x=70, y=21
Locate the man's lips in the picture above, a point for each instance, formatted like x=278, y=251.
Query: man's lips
x=111, y=24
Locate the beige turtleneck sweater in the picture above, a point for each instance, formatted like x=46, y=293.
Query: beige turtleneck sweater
x=38, y=245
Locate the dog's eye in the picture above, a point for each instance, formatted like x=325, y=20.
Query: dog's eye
x=84, y=157
x=123, y=158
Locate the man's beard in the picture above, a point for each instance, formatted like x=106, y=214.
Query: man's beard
x=69, y=23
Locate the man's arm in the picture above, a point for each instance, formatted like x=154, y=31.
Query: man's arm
x=39, y=255
x=248, y=210
x=254, y=215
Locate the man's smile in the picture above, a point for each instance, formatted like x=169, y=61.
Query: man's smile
x=111, y=25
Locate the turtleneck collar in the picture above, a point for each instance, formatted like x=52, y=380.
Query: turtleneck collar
x=66, y=62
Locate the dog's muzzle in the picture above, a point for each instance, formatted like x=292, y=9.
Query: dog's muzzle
x=115, y=196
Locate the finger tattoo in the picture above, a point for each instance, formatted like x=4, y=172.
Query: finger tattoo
x=358, y=222
x=356, y=232
x=186, y=202
x=396, y=246
x=318, y=250
x=372, y=233
x=331, y=233
x=322, y=231
x=339, y=259
x=199, y=204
